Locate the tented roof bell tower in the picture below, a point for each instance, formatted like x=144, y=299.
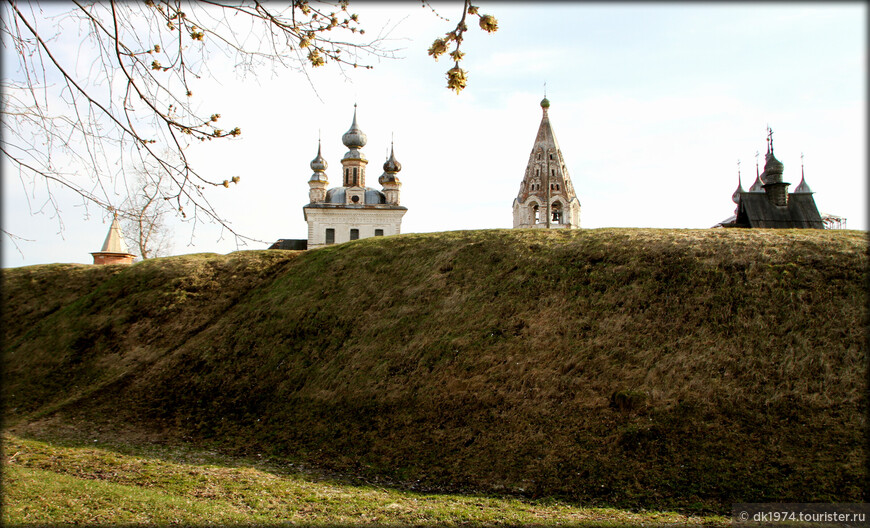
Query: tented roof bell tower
x=546, y=198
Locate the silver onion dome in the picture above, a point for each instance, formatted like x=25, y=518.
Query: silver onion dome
x=354, y=138
x=318, y=164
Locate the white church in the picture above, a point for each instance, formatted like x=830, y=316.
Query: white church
x=352, y=211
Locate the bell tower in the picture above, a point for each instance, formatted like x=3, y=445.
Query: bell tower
x=546, y=198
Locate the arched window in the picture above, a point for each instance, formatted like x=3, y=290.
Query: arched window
x=355, y=176
x=556, y=210
x=536, y=214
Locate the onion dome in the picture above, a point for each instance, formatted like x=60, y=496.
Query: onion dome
x=392, y=164
x=545, y=103
x=318, y=164
x=772, y=165
x=757, y=186
x=772, y=169
x=354, y=138
x=391, y=167
x=802, y=186
x=736, y=196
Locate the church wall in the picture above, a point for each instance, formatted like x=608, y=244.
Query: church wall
x=343, y=220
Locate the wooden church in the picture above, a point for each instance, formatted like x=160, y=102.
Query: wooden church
x=768, y=204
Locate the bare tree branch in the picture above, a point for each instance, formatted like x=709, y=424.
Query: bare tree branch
x=81, y=121
x=83, y=129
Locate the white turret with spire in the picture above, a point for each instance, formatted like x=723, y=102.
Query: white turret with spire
x=354, y=161
x=389, y=179
x=318, y=182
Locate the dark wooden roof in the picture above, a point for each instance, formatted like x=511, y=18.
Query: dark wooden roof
x=294, y=244
x=755, y=210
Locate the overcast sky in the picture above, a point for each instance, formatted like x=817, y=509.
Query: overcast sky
x=652, y=105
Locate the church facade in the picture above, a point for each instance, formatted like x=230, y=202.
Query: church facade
x=546, y=199
x=352, y=210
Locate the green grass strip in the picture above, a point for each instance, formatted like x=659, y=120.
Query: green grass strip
x=48, y=484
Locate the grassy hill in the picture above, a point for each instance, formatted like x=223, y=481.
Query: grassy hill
x=656, y=368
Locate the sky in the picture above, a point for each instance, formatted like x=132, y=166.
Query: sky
x=652, y=104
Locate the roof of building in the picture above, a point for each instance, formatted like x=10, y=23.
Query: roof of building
x=290, y=243
x=338, y=195
x=803, y=188
x=755, y=210
x=115, y=240
x=546, y=154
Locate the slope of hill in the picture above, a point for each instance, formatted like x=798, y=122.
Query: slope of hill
x=666, y=368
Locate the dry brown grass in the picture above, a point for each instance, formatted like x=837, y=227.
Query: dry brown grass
x=487, y=360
